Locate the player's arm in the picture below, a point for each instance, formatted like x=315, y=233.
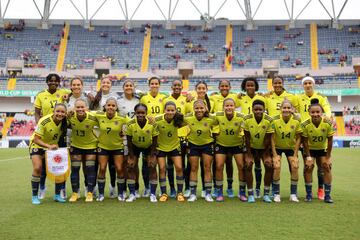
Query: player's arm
x=273, y=149
x=37, y=114
x=326, y=106
x=329, y=146
x=247, y=141
x=40, y=142
x=297, y=144
x=267, y=141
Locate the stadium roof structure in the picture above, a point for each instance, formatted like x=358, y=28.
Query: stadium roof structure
x=247, y=12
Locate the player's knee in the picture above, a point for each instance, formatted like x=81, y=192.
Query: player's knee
x=37, y=170
x=268, y=164
x=326, y=167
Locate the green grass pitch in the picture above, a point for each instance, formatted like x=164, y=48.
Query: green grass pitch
x=19, y=219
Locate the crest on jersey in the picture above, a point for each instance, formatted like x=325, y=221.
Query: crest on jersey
x=236, y=124
x=147, y=131
x=292, y=127
x=263, y=127
x=116, y=122
x=182, y=102
x=323, y=130
x=205, y=124
x=160, y=100
x=57, y=95
x=224, y=124
x=87, y=126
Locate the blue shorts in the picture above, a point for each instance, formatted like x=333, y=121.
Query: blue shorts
x=198, y=150
x=317, y=153
x=145, y=151
x=37, y=151
x=288, y=152
x=102, y=151
x=80, y=151
x=174, y=153
x=219, y=149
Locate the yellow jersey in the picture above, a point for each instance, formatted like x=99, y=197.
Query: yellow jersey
x=230, y=131
x=200, y=131
x=46, y=101
x=274, y=102
x=317, y=136
x=304, y=103
x=47, y=130
x=183, y=107
x=258, y=130
x=82, y=134
x=218, y=101
x=141, y=137
x=246, y=103
x=285, y=132
x=168, y=139
x=155, y=105
x=110, y=131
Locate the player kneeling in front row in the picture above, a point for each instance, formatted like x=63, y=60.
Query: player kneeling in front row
x=286, y=139
x=46, y=136
x=317, y=139
x=169, y=146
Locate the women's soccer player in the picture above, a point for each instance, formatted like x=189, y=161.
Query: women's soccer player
x=83, y=148
x=276, y=97
x=229, y=143
x=141, y=138
x=218, y=100
x=44, y=104
x=183, y=108
x=169, y=146
x=111, y=145
x=304, y=101
x=258, y=130
x=317, y=139
x=46, y=136
x=98, y=104
x=154, y=101
x=200, y=147
x=250, y=85
x=77, y=86
x=286, y=139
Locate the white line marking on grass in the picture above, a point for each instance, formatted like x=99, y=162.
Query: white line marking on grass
x=11, y=159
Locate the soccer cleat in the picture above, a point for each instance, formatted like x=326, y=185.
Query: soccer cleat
x=277, y=198
x=121, y=197
x=74, y=197
x=220, y=198
x=267, y=199
x=164, y=197
x=203, y=194
x=35, y=200
x=59, y=199
x=293, y=198
x=172, y=193
x=328, y=199
x=321, y=194
x=95, y=191
x=242, y=198
x=251, y=199
x=257, y=193
x=131, y=198
x=146, y=192
x=112, y=192
x=89, y=197
x=215, y=192
x=124, y=194
x=180, y=197
x=137, y=194
x=63, y=193
x=100, y=198
x=308, y=198
x=230, y=193
x=192, y=198
x=187, y=193
x=209, y=198
x=42, y=193
x=153, y=198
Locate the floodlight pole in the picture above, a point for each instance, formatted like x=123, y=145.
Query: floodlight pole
x=86, y=20
x=46, y=14
x=249, y=19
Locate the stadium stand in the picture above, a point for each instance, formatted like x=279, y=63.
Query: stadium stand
x=121, y=46
x=37, y=47
x=334, y=43
x=22, y=125
x=352, y=124
x=272, y=43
